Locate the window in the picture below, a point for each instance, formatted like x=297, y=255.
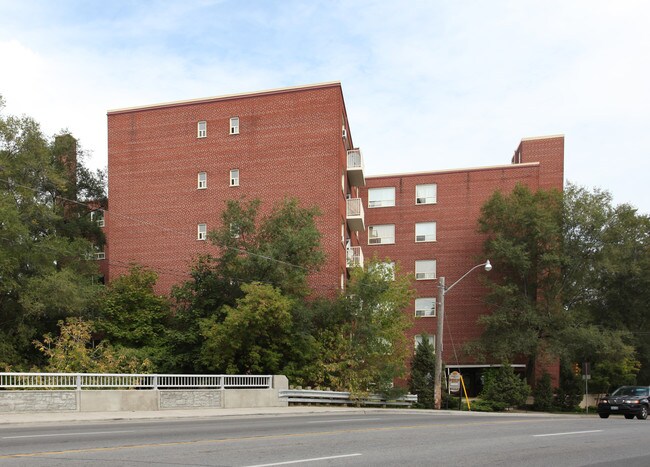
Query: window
x=426, y=194
x=384, y=268
x=202, y=180
x=381, y=197
x=202, y=129
x=425, y=307
x=234, y=126
x=381, y=234
x=234, y=177
x=234, y=230
x=202, y=232
x=420, y=338
x=425, y=232
x=425, y=270
x=99, y=255
x=98, y=217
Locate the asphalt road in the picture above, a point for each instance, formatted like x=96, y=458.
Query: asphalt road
x=360, y=439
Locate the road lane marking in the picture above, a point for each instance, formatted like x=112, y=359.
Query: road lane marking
x=347, y=420
x=68, y=434
x=313, y=459
x=269, y=437
x=568, y=433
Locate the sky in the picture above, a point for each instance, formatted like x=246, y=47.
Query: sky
x=428, y=85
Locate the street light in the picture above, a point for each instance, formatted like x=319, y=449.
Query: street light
x=442, y=291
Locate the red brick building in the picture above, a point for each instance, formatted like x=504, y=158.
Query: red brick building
x=171, y=167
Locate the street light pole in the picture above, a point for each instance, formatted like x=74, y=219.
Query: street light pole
x=440, y=310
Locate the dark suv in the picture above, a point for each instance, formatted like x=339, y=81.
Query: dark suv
x=627, y=400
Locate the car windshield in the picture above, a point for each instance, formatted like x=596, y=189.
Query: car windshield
x=630, y=391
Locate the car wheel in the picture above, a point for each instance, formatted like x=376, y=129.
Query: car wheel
x=644, y=413
x=603, y=415
x=629, y=417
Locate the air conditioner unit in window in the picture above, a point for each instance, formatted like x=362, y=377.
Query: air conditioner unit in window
x=421, y=200
x=425, y=275
x=374, y=241
x=420, y=238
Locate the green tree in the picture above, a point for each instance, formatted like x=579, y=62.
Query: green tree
x=133, y=317
x=543, y=394
x=254, y=338
x=280, y=248
x=362, y=334
x=502, y=387
x=45, y=238
x=423, y=370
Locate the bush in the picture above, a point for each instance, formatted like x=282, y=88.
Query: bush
x=423, y=369
x=569, y=393
x=543, y=394
x=503, y=388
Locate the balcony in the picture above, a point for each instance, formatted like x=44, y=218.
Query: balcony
x=354, y=256
x=355, y=168
x=355, y=214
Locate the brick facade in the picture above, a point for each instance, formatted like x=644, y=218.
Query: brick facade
x=294, y=142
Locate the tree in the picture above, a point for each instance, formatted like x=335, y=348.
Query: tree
x=279, y=249
x=523, y=241
x=362, y=334
x=423, y=369
x=560, y=259
x=74, y=351
x=503, y=388
x=45, y=238
x=133, y=317
x=254, y=338
x=543, y=394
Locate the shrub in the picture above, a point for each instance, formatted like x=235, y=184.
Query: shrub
x=543, y=394
x=505, y=388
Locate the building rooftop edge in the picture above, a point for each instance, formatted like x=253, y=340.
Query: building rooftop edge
x=531, y=138
x=225, y=97
x=465, y=169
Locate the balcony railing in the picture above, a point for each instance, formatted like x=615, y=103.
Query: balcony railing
x=354, y=256
x=355, y=214
x=355, y=168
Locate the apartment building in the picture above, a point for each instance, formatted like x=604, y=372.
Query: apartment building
x=171, y=167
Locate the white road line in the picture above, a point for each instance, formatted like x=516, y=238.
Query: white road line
x=346, y=420
x=314, y=459
x=67, y=434
x=569, y=433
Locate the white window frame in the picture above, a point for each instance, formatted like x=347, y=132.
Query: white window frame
x=202, y=129
x=234, y=230
x=430, y=337
x=202, y=232
x=100, y=255
x=424, y=270
x=98, y=217
x=383, y=234
x=422, y=236
x=234, y=177
x=425, y=307
x=234, y=125
x=424, y=197
x=382, y=198
x=202, y=180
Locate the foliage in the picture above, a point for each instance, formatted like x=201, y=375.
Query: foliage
x=362, y=334
x=503, y=386
x=46, y=237
x=570, y=280
x=422, y=377
x=74, y=351
x=280, y=249
x=254, y=338
x=543, y=394
x=569, y=393
x=133, y=317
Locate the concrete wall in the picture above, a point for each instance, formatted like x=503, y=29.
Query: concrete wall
x=208, y=398
x=145, y=400
x=38, y=401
